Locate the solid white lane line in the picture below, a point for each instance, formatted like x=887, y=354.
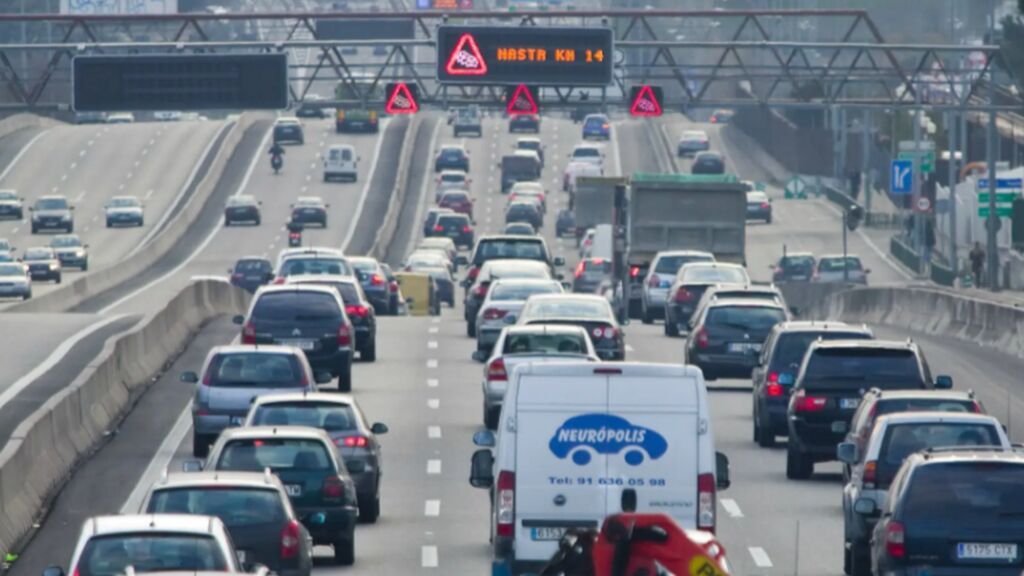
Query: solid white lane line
x=434, y=403
x=732, y=508
x=366, y=187
x=434, y=432
x=428, y=556
x=760, y=557
x=22, y=152
x=432, y=383
x=160, y=460
x=432, y=363
x=432, y=508
x=81, y=153
x=432, y=344
x=433, y=467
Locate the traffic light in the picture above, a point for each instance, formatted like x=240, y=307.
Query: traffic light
x=854, y=216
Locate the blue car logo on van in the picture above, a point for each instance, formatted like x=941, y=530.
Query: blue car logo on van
x=580, y=436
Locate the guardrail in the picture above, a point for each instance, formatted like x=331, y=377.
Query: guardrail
x=386, y=232
x=44, y=450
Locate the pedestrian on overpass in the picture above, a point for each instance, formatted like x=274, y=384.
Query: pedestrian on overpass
x=977, y=257
x=929, y=245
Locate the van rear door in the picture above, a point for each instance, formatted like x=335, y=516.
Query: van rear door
x=559, y=479
x=658, y=412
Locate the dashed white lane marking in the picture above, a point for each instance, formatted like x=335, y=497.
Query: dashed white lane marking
x=90, y=143
x=433, y=403
x=308, y=177
x=433, y=508
x=630, y=348
x=129, y=176
x=432, y=344
x=74, y=165
x=432, y=382
x=145, y=151
x=432, y=363
x=63, y=177
x=760, y=557
x=15, y=230
x=137, y=162
x=428, y=556
x=732, y=508
x=435, y=320
x=120, y=187
x=434, y=432
x=433, y=467
x=434, y=329
x=95, y=218
x=85, y=230
x=148, y=194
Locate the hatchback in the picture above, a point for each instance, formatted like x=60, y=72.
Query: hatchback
x=726, y=339
x=242, y=208
x=597, y=126
x=251, y=272
x=458, y=227
x=658, y=282
x=358, y=308
x=688, y=287
x=371, y=278
x=501, y=307
x=831, y=269
x=708, y=163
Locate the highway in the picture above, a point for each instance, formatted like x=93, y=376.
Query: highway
x=424, y=384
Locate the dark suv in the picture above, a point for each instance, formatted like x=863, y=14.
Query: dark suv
x=833, y=377
x=776, y=369
x=311, y=318
x=956, y=512
x=726, y=339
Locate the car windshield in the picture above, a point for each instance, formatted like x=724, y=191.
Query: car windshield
x=11, y=270
x=329, y=416
x=715, y=275
x=507, y=292
x=902, y=440
x=790, y=350
x=124, y=202
x=254, y=455
x=581, y=309
x=508, y=248
x=966, y=493
x=758, y=318
x=672, y=264
x=52, y=204
x=800, y=263
x=882, y=367
x=836, y=264
x=451, y=220
x=255, y=370
x=296, y=306
x=451, y=152
x=6, y=195
x=572, y=343
x=297, y=266
x=150, y=552
x=252, y=266
x=38, y=254
x=236, y=506
x=65, y=242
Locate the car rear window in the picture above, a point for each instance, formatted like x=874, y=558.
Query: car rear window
x=150, y=552
x=458, y=220
x=252, y=266
x=802, y=263
x=236, y=506
x=748, y=294
x=255, y=370
x=297, y=266
x=328, y=416
x=506, y=292
x=716, y=275
x=745, y=317
x=296, y=306
x=791, y=347
x=836, y=264
x=880, y=367
x=672, y=264
x=277, y=454
x=528, y=145
x=902, y=440
x=964, y=493
x=586, y=153
x=584, y=310
x=510, y=248
x=545, y=344
x=453, y=177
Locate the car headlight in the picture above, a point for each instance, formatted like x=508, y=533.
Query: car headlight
x=80, y=253
x=53, y=265
x=65, y=216
x=35, y=217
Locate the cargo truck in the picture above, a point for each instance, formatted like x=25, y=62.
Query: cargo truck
x=594, y=201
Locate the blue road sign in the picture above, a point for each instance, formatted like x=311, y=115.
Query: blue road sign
x=901, y=177
x=1001, y=183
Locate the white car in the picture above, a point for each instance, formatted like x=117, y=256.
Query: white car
x=341, y=161
x=15, y=281
x=590, y=153
x=504, y=300
x=578, y=168
x=692, y=142
x=120, y=118
x=124, y=210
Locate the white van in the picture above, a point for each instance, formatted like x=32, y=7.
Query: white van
x=578, y=441
x=341, y=162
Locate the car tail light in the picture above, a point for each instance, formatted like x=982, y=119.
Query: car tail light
x=480, y=290
x=357, y=311
x=684, y=295
x=870, y=474
x=438, y=228
x=473, y=272
x=376, y=280
x=467, y=229
x=496, y=371
x=237, y=276
x=344, y=335
x=654, y=281
x=506, y=503
x=976, y=407
x=333, y=489
x=775, y=391
x=494, y=314
x=805, y=403
x=706, y=502
x=765, y=206
x=701, y=337
x=393, y=285
x=290, y=540
x=353, y=442
x=606, y=332
x=248, y=333
x=634, y=271
x=895, y=540
x=279, y=280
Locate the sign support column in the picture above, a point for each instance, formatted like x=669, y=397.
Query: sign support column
x=951, y=126
x=992, y=227
x=918, y=216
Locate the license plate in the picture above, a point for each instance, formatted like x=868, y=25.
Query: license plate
x=49, y=224
x=300, y=344
x=986, y=551
x=293, y=489
x=849, y=403
x=798, y=277
x=744, y=347
x=546, y=534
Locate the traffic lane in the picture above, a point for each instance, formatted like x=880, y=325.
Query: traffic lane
x=17, y=144
x=39, y=335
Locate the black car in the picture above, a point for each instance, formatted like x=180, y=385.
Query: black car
x=708, y=163
x=456, y=226
x=430, y=220
x=251, y=272
x=311, y=318
x=452, y=157
x=794, y=267
x=524, y=211
x=358, y=308
x=565, y=225
x=242, y=209
x=951, y=512
x=288, y=130
x=832, y=378
x=776, y=369
x=726, y=339
x=310, y=210
x=524, y=123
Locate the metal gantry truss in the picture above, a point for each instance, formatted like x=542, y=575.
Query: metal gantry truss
x=700, y=58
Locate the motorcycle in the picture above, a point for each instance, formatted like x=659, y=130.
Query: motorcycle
x=294, y=234
x=276, y=161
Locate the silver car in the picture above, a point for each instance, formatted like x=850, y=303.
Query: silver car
x=233, y=375
x=660, y=277
x=501, y=306
x=830, y=269
x=71, y=252
x=124, y=210
x=15, y=281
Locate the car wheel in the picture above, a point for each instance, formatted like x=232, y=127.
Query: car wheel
x=491, y=416
x=798, y=466
x=471, y=329
x=345, y=378
x=369, y=353
x=142, y=222
x=34, y=229
x=768, y=220
x=85, y=266
x=200, y=445
x=257, y=222
x=764, y=436
x=645, y=315
x=57, y=279
x=227, y=223
x=27, y=296
x=860, y=559
x=671, y=329
x=370, y=511
x=345, y=551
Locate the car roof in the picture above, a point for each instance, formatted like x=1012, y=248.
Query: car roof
x=257, y=432
x=546, y=329
x=596, y=115
x=341, y=147
x=523, y=281
x=819, y=326
x=527, y=139
x=157, y=523
x=433, y=240
x=320, y=397
x=276, y=288
x=883, y=395
x=975, y=453
x=453, y=172
x=525, y=153
x=873, y=344
x=453, y=145
x=253, y=349
x=922, y=416
x=219, y=478
x=797, y=254
x=309, y=200
x=695, y=133
x=125, y=197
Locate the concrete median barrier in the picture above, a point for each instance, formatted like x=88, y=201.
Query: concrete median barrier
x=96, y=282
x=44, y=450
x=386, y=232
x=15, y=122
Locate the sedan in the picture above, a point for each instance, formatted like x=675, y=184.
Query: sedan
x=43, y=264
x=692, y=142
x=15, y=281
x=759, y=206
x=340, y=416
x=251, y=272
x=70, y=251
x=566, y=223
x=288, y=130
x=708, y=163
x=430, y=220
x=452, y=157
x=524, y=211
x=242, y=208
x=124, y=210
x=451, y=180
x=11, y=205
x=524, y=123
x=310, y=210
x=831, y=268
x=590, y=312
x=726, y=339
x=455, y=227
x=688, y=287
x=505, y=299
x=458, y=201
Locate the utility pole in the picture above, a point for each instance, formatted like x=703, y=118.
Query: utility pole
x=993, y=222
x=865, y=149
x=951, y=121
x=918, y=216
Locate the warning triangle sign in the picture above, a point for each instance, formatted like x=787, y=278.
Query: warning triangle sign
x=401, y=101
x=522, y=101
x=646, y=103
x=466, y=59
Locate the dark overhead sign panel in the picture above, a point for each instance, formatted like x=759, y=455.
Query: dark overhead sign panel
x=359, y=29
x=179, y=82
x=533, y=55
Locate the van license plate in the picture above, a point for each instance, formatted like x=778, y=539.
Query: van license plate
x=849, y=403
x=986, y=551
x=293, y=489
x=547, y=534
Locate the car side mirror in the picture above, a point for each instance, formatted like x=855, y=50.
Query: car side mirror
x=567, y=286
x=323, y=378
x=865, y=506
x=238, y=319
x=484, y=439
x=53, y=571
x=847, y=452
x=867, y=270
x=191, y=466
x=944, y=382
x=559, y=261
x=481, y=472
x=722, y=471
x=379, y=428
x=559, y=276
x=461, y=260
x=189, y=377
x=479, y=356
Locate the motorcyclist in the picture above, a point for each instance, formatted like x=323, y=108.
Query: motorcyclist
x=276, y=155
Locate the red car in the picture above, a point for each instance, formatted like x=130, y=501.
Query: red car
x=458, y=201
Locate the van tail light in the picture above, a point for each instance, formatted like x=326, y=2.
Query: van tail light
x=706, y=502
x=393, y=286
x=333, y=489
x=805, y=403
x=496, y=371
x=870, y=474
x=506, y=502
x=376, y=280
x=248, y=333
x=494, y=314
x=290, y=536
x=701, y=337
x=344, y=335
x=895, y=540
x=683, y=295
x=352, y=442
x=654, y=281
x=358, y=311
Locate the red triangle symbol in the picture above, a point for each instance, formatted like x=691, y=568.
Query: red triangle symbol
x=522, y=101
x=646, y=104
x=401, y=101
x=466, y=59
